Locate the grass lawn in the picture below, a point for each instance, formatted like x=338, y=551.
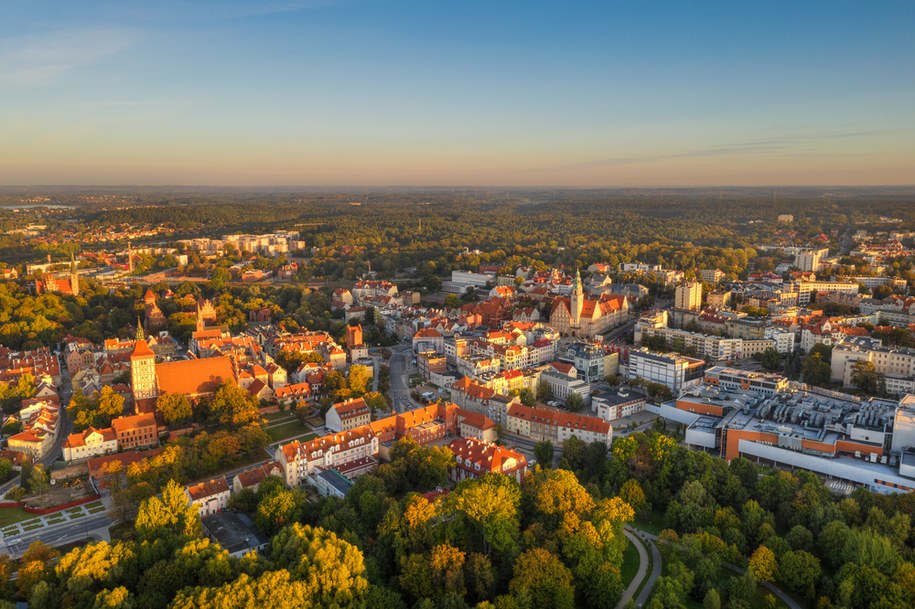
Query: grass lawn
x=12, y=515
x=653, y=522
x=97, y=509
x=630, y=564
x=287, y=430
x=31, y=526
x=273, y=416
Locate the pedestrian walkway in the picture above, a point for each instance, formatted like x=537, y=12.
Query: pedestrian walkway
x=39, y=522
x=630, y=591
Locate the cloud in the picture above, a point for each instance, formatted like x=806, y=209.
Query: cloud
x=787, y=146
x=41, y=59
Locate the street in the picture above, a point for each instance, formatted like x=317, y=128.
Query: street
x=400, y=378
x=59, y=534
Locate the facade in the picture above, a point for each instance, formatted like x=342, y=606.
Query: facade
x=90, y=443
x=347, y=415
x=897, y=365
x=209, y=497
x=474, y=458
x=808, y=260
x=137, y=431
x=612, y=405
x=669, y=369
x=586, y=317
x=688, y=296
x=563, y=381
x=592, y=361
x=539, y=424
x=733, y=379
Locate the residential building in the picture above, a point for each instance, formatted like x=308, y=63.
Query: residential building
x=711, y=276
x=734, y=379
x=474, y=458
x=347, y=415
x=539, y=424
x=209, y=497
x=809, y=259
x=563, y=381
x=137, y=431
x=90, y=443
x=897, y=365
x=688, y=296
x=623, y=402
x=669, y=369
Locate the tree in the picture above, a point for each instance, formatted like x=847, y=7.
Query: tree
x=332, y=569
x=544, y=391
x=631, y=492
x=233, y=407
x=39, y=480
x=543, y=453
x=540, y=573
x=279, y=509
x=432, y=574
x=865, y=377
x=575, y=402
x=174, y=407
x=763, y=565
x=169, y=517
x=375, y=401
x=489, y=507
x=816, y=371
x=357, y=379
x=712, y=600
x=110, y=406
x=799, y=570
x=771, y=359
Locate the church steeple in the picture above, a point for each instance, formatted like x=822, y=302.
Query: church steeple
x=577, y=302
x=140, y=335
x=74, y=276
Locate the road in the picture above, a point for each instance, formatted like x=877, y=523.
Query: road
x=400, y=378
x=94, y=525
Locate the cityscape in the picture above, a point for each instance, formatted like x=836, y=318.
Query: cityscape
x=484, y=332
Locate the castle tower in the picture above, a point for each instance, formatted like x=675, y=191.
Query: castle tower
x=577, y=303
x=142, y=369
x=353, y=336
x=74, y=276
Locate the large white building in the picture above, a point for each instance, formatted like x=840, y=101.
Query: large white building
x=896, y=365
x=669, y=369
x=808, y=260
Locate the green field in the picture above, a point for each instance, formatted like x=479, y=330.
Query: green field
x=630, y=564
x=287, y=430
x=653, y=522
x=13, y=515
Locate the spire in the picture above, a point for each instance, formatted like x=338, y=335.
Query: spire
x=140, y=335
x=74, y=276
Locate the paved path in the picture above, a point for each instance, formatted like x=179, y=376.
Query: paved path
x=785, y=598
x=655, y=567
x=629, y=592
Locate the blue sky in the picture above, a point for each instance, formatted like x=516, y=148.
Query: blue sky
x=457, y=93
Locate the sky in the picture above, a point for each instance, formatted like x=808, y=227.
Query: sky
x=457, y=92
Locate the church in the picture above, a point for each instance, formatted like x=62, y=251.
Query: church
x=194, y=378
x=585, y=317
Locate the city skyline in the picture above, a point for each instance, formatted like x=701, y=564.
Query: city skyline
x=534, y=94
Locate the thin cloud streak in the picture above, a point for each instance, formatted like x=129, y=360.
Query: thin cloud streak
x=41, y=59
x=787, y=145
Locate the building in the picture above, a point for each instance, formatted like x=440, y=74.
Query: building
x=474, y=458
x=137, y=431
x=40, y=427
x=330, y=483
x=142, y=369
x=733, y=379
x=209, y=497
x=711, y=275
x=563, y=381
x=347, y=415
x=688, y=296
x=808, y=260
x=90, y=443
x=786, y=218
x=586, y=317
x=612, y=405
x=540, y=424
x=807, y=290
x=592, y=361
x=235, y=533
x=669, y=369
x=829, y=433
x=897, y=365
x=253, y=476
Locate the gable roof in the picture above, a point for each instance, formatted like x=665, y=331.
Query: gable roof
x=195, y=376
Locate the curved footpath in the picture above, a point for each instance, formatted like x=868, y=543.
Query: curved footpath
x=640, y=573
x=656, y=572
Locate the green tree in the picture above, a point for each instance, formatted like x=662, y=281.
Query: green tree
x=110, y=406
x=233, y=407
x=541, y=574
x=816, y=371
x=865, y=377
x=631, y=492
x=279, y=509
x=543, y=453
x=332, y=569
x=489, y=507
x=712, y=600
x=799, y=570
x=575, y=402
x=771, y=359
x=167, y=518
x=174, y=407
